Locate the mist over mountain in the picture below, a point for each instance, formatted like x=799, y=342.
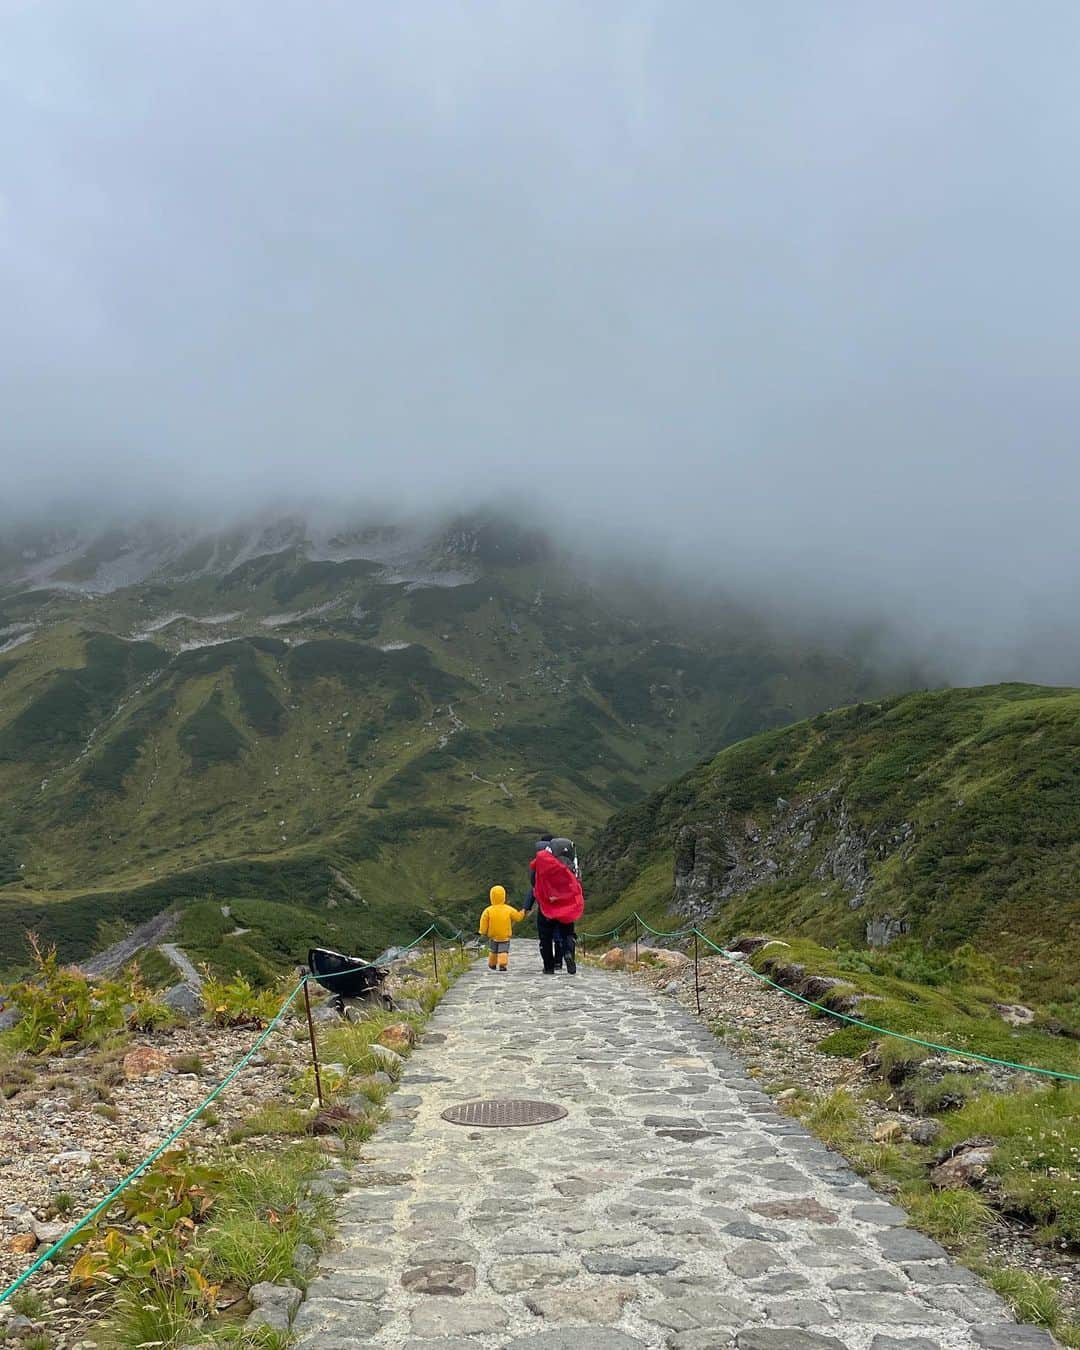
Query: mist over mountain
x=370, y=719
x=780, y=297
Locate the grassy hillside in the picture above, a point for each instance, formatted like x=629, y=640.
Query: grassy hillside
x=940, y=818
x=367, y=726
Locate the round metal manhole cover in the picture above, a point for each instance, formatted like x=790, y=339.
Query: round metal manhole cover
x=502, y=1115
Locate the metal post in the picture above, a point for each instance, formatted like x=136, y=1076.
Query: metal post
x=314, y=1051
x=697, y=980
x=435, y=957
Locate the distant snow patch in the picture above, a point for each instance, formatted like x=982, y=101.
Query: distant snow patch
x=394, y=646
x=277, y=620
x=157, y=625
x=16, y=642
x=444, y=581
x=195, y=644
x=167, y=620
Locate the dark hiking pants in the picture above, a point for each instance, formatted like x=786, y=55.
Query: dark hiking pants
x=557, y=940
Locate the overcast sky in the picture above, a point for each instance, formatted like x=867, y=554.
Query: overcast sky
x=790, y=289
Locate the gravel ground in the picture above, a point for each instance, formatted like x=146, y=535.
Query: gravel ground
x=54, y=1143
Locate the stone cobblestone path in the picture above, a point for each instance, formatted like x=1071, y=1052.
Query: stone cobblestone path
x=672, y=1206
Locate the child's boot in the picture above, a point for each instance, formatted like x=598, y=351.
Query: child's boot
x=504, y=962
x=491, y=961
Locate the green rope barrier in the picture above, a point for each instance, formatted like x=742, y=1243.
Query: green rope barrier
x=449, y=937
x=188, y=1120
x=884, y=1031
x=659, y=932
x=831, y=1012
x=595, y=937
x=102, y=1205
x=369, y=965
x=426, y=933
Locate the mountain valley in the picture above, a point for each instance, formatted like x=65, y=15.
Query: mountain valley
x=369, y=723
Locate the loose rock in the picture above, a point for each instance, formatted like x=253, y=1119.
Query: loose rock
x=145, y=1061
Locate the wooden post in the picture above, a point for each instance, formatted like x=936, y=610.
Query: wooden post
x=435, y=957
x=314, y=1051
x=636, y=934
x=697, y=980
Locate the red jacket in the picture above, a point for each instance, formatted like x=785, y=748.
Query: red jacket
x=557, y=889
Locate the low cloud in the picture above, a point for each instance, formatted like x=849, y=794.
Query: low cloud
x=780, y=296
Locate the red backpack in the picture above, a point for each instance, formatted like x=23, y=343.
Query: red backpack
x=558, y=891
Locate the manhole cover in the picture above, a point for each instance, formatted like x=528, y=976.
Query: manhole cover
x=503, y=1114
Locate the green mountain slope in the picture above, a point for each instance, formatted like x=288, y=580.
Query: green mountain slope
x=951, y=817
x=372, y=722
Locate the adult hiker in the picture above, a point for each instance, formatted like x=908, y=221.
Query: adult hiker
x=545, y=930
x=560, y=900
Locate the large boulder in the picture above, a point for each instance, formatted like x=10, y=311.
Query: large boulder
x=145, y=1062
x=76, y=1157
x=885, y=929
x=331, y=1120
x=183, y=999
x=966, y=1163
x=672, y=960
x=48, y=1233
x=924, y=1131
x=399, y=1037
x=386, y=1058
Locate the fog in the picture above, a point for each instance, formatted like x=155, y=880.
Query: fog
x=784, y=294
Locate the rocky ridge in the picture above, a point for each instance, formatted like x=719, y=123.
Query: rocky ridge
x=733, y=853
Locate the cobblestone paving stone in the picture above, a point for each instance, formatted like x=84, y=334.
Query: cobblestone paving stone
x=672, y=1207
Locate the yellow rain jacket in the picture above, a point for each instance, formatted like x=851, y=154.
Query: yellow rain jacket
x=497, y=921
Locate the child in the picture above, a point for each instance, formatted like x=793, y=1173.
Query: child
x=497, y=925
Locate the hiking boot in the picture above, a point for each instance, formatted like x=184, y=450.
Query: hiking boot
x=571, y=966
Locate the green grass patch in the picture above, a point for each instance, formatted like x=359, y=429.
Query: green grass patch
x=957, y=1217
x=832, y=1116
x=208, y=738
x=956, y=1010
x=75, y=700
x=1034, y=1298
x=243, y=1243
x=968, y=805
x=1036, y=1162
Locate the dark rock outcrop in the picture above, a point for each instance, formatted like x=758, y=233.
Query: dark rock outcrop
x=728, y=856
